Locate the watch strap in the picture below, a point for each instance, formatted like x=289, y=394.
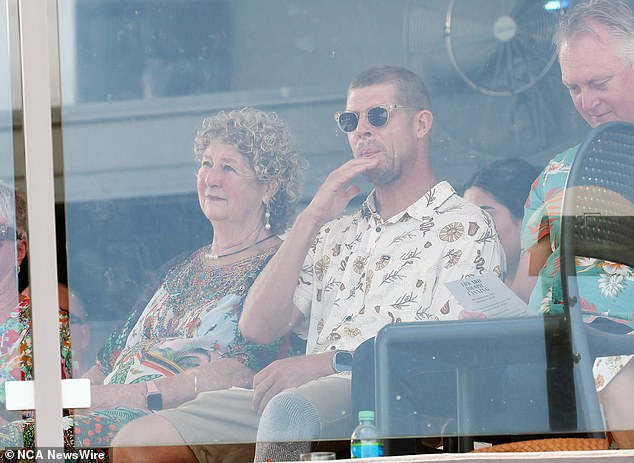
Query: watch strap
x=334, y=361
x=151, y=387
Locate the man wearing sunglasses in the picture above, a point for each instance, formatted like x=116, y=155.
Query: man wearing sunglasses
x=337, y=281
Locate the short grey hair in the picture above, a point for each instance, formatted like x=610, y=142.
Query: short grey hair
x=616, y=15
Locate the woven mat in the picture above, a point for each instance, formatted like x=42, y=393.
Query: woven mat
x=549, y=445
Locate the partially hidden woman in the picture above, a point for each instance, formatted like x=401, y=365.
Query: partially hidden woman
x=501, y=189
x=186, y=340
x=16, y=346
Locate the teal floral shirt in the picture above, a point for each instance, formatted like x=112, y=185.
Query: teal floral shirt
x=607, y=289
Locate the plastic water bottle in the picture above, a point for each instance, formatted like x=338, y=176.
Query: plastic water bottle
x=365, y=442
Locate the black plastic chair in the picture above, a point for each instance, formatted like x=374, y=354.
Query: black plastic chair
x=555, y=352
x=598, y=222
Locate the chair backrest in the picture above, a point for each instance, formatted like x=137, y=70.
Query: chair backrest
x=598, y=202
x=597, y=221
x=598, y=206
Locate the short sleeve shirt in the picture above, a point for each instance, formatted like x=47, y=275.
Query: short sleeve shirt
x=363, y=272
x=606, y=288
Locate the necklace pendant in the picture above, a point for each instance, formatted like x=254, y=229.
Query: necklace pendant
x=214, y=257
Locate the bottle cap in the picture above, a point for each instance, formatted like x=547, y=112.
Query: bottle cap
x=366, y=415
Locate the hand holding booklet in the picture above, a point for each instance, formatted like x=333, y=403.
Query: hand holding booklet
x=488, y=295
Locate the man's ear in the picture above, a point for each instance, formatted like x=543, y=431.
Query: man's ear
x=23, y=247
x=424, y=121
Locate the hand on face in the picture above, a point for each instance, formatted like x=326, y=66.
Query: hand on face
x=335, y=193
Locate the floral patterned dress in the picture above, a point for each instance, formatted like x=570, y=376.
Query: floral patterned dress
x=191, y=320
x=16, y=364
x=607, y=289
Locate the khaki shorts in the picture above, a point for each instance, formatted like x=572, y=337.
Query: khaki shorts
x=226, y=417
x=216, y=417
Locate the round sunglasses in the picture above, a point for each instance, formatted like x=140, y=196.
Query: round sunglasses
x=378, y=116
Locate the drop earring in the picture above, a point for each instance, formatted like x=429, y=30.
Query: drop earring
x=267, y=217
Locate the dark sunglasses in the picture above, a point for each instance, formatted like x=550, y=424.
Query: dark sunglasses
x=7, y=233
x=377, y=116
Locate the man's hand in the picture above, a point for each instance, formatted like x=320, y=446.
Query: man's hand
x=288, y=372
x=269, y=311
x=334, y=194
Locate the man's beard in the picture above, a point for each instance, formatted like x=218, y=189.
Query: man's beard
x=383, y=175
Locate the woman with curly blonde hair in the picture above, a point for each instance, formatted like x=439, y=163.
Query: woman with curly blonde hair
x=264, y=141
x=185, y=339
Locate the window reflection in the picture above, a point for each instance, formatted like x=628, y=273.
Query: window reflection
x=139, y=75
x=137, y=65
x=141, y=49
x=6, y=132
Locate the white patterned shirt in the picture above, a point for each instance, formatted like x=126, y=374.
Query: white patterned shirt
x=363, y=272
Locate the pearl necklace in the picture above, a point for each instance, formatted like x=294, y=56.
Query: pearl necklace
x=216, y=256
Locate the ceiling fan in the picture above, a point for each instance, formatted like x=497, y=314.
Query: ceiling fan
x=491, y=68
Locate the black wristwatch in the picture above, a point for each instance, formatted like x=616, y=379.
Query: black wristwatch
x=342, y=361
x=153, y=397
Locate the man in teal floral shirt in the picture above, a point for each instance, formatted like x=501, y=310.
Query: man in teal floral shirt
x=595, y=44
x=598, y=69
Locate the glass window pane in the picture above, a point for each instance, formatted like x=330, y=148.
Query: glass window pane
x=138, y=78
x=6, y=151
x=15, y=322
